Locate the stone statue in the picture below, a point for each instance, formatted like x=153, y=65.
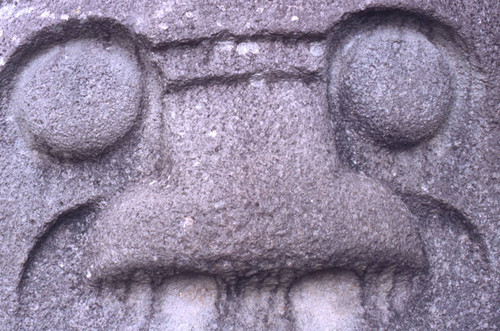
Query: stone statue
x=249, y=165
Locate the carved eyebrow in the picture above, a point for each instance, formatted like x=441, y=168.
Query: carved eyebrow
x=229, y=60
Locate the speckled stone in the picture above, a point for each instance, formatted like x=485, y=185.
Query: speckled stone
x=396, y=86
x=75, y=103
x=249, y=165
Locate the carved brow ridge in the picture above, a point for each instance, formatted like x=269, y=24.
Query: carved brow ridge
x=354, y=224
x=226, y=61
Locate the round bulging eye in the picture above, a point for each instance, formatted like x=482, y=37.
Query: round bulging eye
x=395, y=86
x=79, y=98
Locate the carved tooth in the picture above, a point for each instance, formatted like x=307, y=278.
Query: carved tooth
x=185, y=303
x=328, y=301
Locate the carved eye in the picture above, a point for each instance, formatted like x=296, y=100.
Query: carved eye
x=78, y=98
x=395, y=86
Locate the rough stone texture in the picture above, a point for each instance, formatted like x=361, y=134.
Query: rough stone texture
x=73, y=103
x=395, y=85
x=286, y=165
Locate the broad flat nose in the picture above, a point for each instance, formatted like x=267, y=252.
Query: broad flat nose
x=255, y=189
x=352, y=223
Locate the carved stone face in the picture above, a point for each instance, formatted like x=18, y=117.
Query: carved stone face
x=176, y=166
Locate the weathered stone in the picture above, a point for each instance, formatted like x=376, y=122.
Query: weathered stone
x=249, y=165
x=395, y=85
x=74, y=103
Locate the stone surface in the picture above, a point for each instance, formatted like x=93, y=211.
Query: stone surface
x=221, y=165
x=395, y=85
x=73, y=103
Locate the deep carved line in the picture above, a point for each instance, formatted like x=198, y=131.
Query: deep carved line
x=227, y=36
x=81, y=210
x=306, y=77
x=423, y=205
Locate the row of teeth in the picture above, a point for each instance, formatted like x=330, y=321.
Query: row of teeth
x=334, y=300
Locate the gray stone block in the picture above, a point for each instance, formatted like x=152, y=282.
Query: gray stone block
x=221, y=165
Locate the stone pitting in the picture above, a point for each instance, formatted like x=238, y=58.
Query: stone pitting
x=79, y=98
x=263, y=165
x=396, y=86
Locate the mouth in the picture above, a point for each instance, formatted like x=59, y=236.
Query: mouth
x=348, y=258
x=355, y=224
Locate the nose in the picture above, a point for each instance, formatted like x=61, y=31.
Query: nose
x=353, y=223
x=255, y=189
